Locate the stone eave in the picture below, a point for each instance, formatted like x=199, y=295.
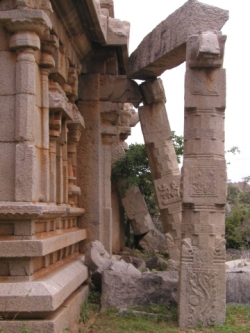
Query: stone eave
x=85, y=24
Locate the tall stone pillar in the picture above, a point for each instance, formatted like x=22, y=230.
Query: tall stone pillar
x=202, y=289
x=163, y=164
x=100, y=96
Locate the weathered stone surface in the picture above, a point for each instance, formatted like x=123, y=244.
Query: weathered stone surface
x=238, y=278
x=153, y=91
x=153, y=240
x=165, y=47
x=41, y=247
x=119, y=89
x=123, y=290
x=156, y=263
x=202, y=292
x=128, y=291
x=97, y=259
x=45, y=294
x=163, y=164
x=40, y=129
x=206, y=50
x=137, y=262
x=137, y=211
x=65, y=317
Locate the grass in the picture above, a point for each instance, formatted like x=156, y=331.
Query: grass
x=94, y=321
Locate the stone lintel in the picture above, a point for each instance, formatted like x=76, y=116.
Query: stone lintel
x=40, y=247
x=109, y=88
x=165, y=46
x=46, y=294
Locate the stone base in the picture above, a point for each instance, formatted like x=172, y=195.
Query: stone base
x=43, y=295
x=66, y=317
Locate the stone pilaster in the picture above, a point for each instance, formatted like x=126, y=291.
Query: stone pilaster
x=25, y=43
x=163, y=163
x=202, y=289
x=48, y=45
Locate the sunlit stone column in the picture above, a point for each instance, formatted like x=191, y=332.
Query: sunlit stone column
x=202, y=288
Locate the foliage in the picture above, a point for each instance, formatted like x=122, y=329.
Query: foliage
x=237, y=234
x=238, y=223
x=234, y=150
x=91, y=305
x=133, y=169
x=178, y=145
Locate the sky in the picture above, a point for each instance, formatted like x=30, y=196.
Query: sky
x=144, y=15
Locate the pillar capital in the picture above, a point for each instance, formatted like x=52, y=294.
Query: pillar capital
x=49, y=43
x=22, y=20
x=24, y=40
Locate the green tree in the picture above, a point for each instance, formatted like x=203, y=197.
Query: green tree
x=237, y=230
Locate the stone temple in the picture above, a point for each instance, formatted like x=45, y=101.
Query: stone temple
x=67, y=99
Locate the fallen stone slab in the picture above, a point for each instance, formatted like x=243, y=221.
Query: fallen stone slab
x=165, y=46
x=123, y=290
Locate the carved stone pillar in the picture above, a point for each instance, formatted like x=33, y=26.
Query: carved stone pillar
x=163, y=164
x=202, y=289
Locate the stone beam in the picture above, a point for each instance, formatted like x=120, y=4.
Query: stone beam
x=165, y=47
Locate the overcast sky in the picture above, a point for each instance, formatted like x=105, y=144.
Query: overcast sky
x=144, y=15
